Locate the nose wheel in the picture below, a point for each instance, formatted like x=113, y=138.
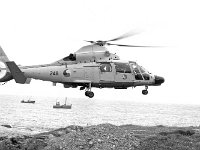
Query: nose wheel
x=145, y=91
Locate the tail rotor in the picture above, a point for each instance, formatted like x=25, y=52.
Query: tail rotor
x=5, y=74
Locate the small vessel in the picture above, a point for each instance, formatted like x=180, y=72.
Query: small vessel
x=65, y=106
x=28, y=101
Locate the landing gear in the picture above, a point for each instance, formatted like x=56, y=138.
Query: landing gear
x=88, y=92
x=145, y=92
x=82, y=87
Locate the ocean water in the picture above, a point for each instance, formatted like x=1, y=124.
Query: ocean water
x=41, y=117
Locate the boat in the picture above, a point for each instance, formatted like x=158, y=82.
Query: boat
x=28, y=101
x=64, y=106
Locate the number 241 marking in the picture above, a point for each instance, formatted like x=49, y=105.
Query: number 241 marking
x=53, y=73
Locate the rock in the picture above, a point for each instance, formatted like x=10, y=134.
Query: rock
x=74, y=128
x=99, y=140
x=160, y=126
x=107, y=137
x=91, y=143
x=14, y=141
x=181, y=132
x=3, y=138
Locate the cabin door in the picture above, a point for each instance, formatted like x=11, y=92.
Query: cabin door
x=123, y=72
x=78, y=73
x=89, y=74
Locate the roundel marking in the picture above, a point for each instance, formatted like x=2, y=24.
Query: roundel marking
x=2, y=69
x=67, y=73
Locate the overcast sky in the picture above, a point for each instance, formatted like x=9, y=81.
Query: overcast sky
x=43, y=31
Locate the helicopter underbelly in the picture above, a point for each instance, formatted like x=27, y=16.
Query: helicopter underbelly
x=120, y=85
x=117, y=85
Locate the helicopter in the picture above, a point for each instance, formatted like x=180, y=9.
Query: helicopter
x=92, y=66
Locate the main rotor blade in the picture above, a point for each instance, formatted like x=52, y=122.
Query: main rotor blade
x=89, y=41
x=131, y=45
x=128, y=34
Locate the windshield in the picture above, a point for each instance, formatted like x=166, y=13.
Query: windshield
x=143, y=70
x=140, y=72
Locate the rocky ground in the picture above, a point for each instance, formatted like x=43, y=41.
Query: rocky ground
x=108, y=137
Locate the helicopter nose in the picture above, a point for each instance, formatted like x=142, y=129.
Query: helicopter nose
x=159, y=80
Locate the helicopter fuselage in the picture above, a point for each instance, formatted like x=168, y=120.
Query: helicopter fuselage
x=113, y=74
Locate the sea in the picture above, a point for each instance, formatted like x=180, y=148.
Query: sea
x=42, y=117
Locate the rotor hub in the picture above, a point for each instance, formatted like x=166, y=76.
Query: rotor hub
x=101, y=43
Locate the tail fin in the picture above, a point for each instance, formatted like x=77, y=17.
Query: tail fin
x=17, y=74
x=5, y=74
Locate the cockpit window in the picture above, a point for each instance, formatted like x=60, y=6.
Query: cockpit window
x=146, y=76
x=135, y=69
x=140, y=72
x=122, y=67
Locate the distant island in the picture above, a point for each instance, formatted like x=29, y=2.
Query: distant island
x=108, y=137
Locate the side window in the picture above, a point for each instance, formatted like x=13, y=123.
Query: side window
x=146, y=76
x=71, y=57
x=122, y=67
x=105, y=67
x=136, y=70
x=138, y=77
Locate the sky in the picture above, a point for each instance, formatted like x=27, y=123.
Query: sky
x=43, y=31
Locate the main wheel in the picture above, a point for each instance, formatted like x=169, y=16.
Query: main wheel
x=90, y=94
x=86, y=93
x=144, y=92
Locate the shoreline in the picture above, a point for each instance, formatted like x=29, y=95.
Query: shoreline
x=107, y=136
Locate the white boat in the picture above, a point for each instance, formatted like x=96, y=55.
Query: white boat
x=64, y=106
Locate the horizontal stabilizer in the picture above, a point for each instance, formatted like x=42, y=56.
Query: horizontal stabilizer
x=17, y=74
